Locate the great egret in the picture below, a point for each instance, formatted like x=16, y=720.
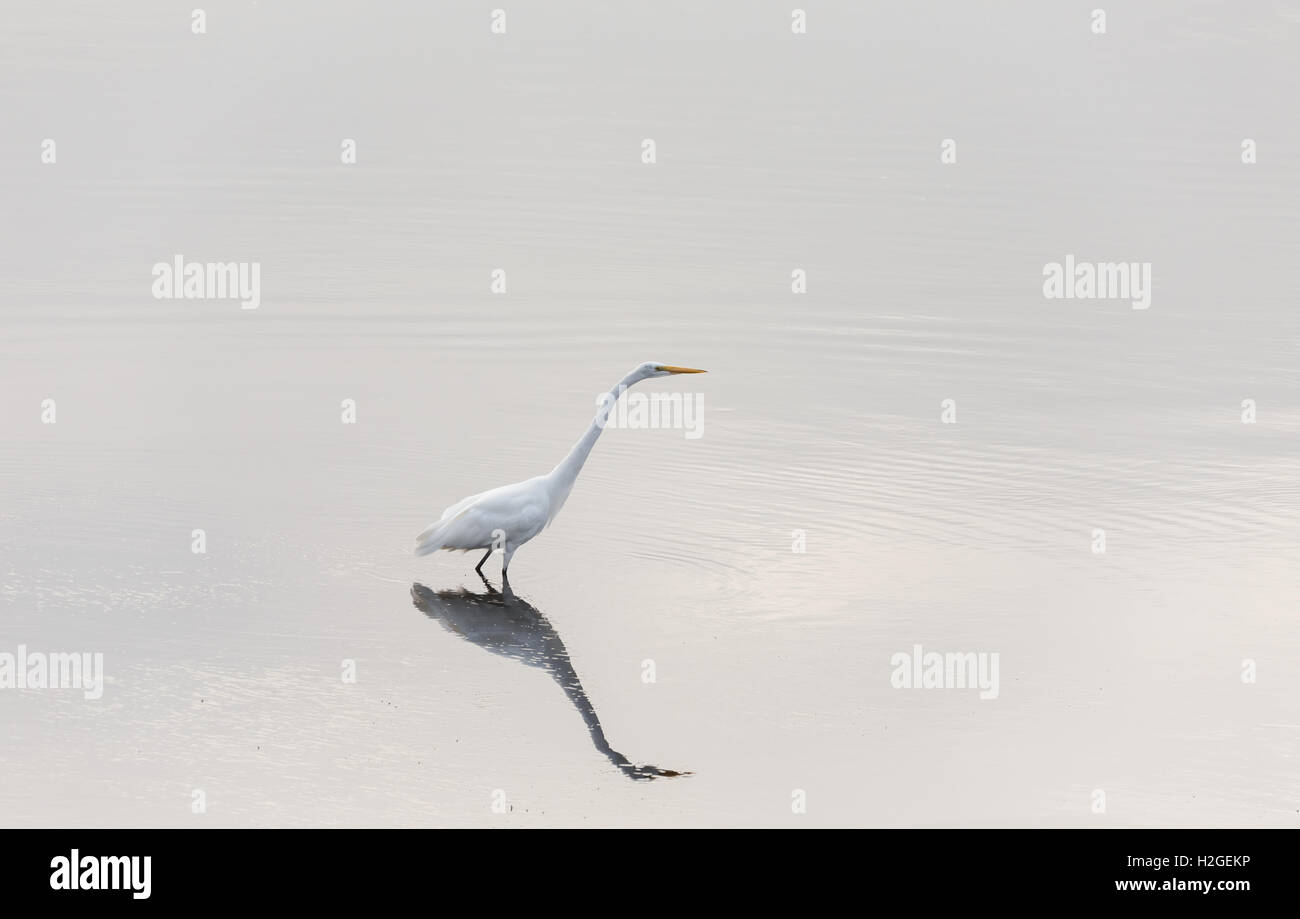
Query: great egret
x=507, y=517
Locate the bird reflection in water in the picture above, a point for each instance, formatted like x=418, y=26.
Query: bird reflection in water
x=505, y=624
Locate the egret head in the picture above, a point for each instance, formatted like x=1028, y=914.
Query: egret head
x=655, y=369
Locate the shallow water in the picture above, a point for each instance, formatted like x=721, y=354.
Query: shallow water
x=822, y=414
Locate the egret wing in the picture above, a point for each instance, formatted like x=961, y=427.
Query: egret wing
x=519, y=510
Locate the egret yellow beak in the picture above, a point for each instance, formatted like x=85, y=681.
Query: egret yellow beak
x=671, y=369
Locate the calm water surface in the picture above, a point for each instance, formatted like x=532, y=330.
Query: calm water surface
x=1119, y=671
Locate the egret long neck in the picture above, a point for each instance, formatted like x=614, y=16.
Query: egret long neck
x=567, y=471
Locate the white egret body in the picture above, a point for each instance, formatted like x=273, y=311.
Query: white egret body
x=507, y=517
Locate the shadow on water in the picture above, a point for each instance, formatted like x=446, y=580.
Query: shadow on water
x=505, y=624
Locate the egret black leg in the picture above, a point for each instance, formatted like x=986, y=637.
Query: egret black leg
x=479, y=566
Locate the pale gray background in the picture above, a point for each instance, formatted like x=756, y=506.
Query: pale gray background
x=776, y=151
